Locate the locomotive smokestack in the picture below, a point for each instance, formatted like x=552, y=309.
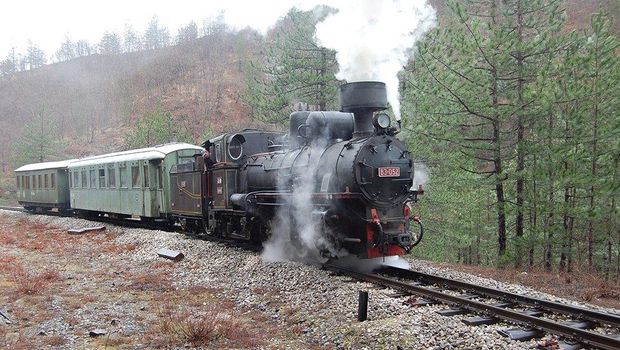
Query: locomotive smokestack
x=363, y=98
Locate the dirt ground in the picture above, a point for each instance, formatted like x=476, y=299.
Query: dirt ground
x=57, y=288
x=579, y=286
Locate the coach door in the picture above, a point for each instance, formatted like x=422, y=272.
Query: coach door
x=160, y=187
x=146, y=189
x=137, y=190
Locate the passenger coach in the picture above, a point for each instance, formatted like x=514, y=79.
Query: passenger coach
x=43, y=186
x=133, y=183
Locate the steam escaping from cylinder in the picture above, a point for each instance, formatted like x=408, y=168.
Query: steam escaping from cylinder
x=421, y=175
x=373, y=39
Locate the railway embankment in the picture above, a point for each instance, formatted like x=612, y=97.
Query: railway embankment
x=110, y=289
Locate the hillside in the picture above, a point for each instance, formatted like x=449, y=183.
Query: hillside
x=95, y=99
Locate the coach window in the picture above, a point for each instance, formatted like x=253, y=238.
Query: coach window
x=111, y=176
x=34, y=181
x=39, y=181
x=45, y=182
x=53, y=178
x=145, y=170
x=102, y=178
x=84, y=179
x=93, y=178
x=135, y=176
x=160, y=177
x=122, y=175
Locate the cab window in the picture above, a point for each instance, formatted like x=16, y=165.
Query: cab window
x=218, y=152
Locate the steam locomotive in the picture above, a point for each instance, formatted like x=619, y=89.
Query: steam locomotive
x=343, y=175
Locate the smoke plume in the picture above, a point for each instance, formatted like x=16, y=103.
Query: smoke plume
x=373, y=38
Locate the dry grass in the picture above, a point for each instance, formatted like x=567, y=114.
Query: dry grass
x=7, y=263
x=29, y=283
x=7, y=240
x=151, y=281
x=577, y=285
x=33, y=256
x=55, y=340
x=212, y=326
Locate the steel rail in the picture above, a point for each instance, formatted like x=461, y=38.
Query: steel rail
x=587, y=337
x=569, y=310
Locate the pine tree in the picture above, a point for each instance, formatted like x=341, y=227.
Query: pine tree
x=40, y=140
x=157, y=127
x=110, y=44
x=293, y=70
x=66, y=51
x=35, y=56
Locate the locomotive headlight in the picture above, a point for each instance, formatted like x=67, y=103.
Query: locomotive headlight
x=382, y=121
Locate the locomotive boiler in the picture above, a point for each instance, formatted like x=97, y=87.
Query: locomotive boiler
x=342, y=172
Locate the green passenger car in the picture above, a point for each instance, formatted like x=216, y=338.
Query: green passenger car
x=43, y=186
x=133, y=183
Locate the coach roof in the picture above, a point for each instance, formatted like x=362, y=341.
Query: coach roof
x=63, y=164
x=157, y=152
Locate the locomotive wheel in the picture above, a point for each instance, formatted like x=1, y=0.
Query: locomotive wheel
x=183, y=224
x=265, y=228
x=189, y=225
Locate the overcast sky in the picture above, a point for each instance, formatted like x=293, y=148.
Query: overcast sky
x=47, y=23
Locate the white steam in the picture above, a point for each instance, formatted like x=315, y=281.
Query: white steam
x=297, y=232
x=369, y=265
x=420, y=175
x=373, y=38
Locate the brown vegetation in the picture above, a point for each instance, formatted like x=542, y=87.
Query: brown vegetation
x=214, y=324
x=29, y=283
x=577, y=285
x=84, y=281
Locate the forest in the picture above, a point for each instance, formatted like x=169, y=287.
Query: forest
x=511, y=109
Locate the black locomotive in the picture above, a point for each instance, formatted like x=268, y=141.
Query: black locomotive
x=343, y=173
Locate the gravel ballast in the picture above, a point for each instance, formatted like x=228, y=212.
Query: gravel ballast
x=319, y=306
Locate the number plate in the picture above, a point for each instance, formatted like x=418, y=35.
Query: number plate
x=390, y=171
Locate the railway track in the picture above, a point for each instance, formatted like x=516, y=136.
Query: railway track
x=537, y=316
